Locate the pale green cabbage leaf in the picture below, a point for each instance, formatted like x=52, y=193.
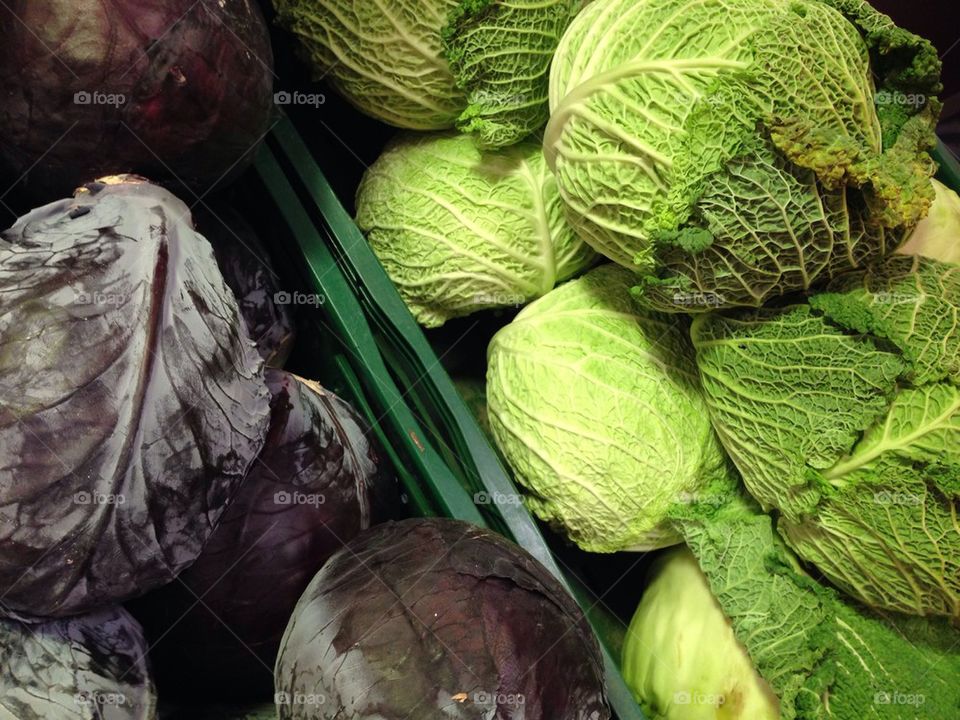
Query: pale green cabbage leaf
x=938, y=234
x=459, y=229
x=843, y=414
x=731, y=151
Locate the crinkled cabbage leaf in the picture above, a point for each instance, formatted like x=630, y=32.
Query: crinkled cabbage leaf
x=844, y=415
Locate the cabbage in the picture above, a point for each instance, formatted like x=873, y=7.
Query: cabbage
x=597, y=408
x=132, y=403
x=479, y=64
x=459, y=230
x=247, y=270
x=215, y=631
x=843, y=414
x=91, y=667
x=436, y=619
x=179, y=90
x=730, y=151
x=825, y=659
x=681, y=656
x=938, y=234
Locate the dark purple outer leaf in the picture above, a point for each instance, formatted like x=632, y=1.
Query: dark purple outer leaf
x=173, y=88
x=218, y=627
x=91, y=667
x=131, y=401
x=437, y=620
x=247, y=270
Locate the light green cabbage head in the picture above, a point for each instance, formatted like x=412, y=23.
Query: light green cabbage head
x=681, y=656
x=479, y=64
x=843, y=414
x=459, y=229
x=596, y=406
x=938, y=234
x=731, y=151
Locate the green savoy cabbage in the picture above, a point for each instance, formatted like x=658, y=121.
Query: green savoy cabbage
x=596, y=406
x=459, y=229
x=730, y=151
x=843, y=414
x=938, y=234
x=479, y=64
x=823, y=658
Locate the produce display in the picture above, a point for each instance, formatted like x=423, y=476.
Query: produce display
x=459, y=230
x=177, y=90
x=692, y=265
x=438, y=619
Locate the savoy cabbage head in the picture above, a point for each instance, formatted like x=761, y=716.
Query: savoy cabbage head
x=459, y=229
x=596, y=406
x=823, y=657
x=478, y=64
x=843, y=413
x=731, y=151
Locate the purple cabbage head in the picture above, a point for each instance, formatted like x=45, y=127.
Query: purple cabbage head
x=175, y=89
x=437, y=620
x=91, y=667
x=132, y=403
x=216, y=630
x=247, y=269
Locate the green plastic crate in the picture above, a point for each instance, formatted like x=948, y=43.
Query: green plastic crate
x=375, y=355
